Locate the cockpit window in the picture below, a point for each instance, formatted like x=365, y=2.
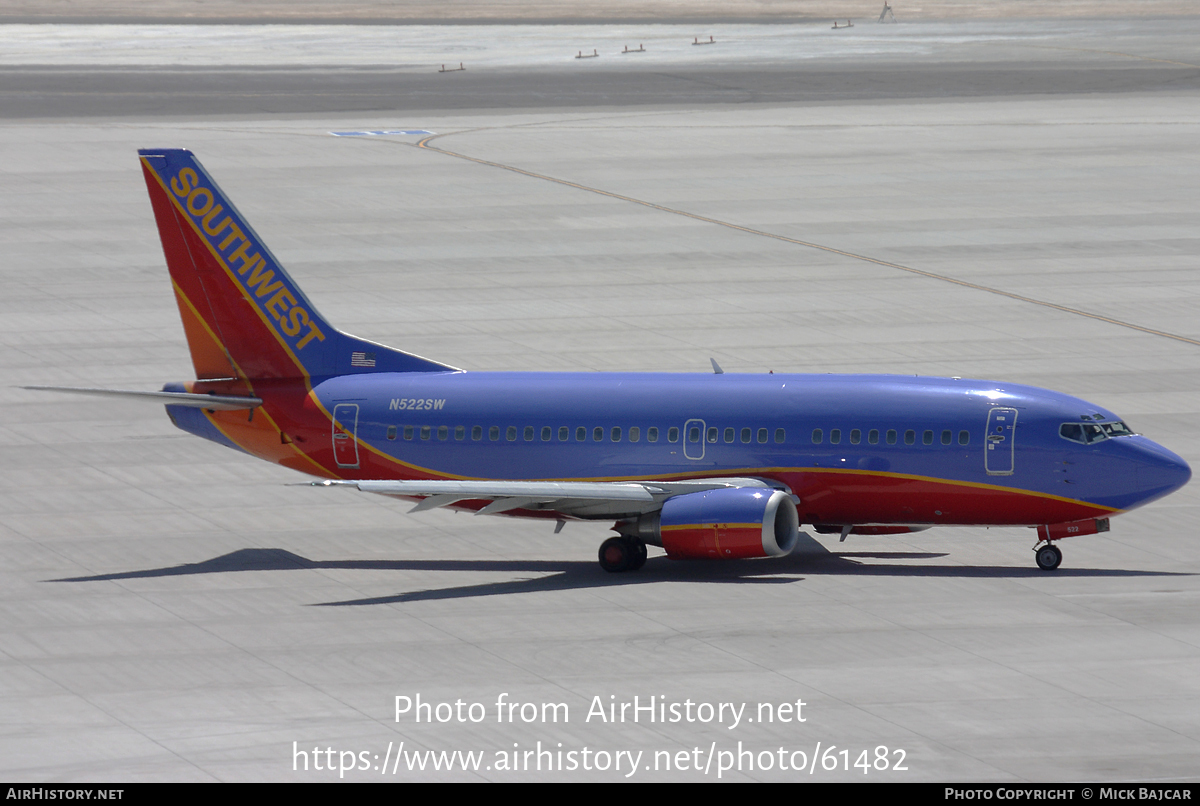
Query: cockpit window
x=1072, y=431
x=1087, y=433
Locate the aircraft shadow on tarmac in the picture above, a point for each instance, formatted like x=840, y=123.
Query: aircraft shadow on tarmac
x=572, y=575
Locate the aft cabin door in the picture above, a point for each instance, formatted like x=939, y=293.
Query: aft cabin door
x=345, y=428
x=1000, y=441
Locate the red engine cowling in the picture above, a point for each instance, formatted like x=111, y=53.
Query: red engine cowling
x=724, y=524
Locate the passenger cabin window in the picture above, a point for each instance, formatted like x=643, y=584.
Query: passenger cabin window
x=712, y=435
x=564, y=433
x=746, y=436
x=635, y=434
x=598, y=434
x=652, y=434
x=873, y=436
x=494, y=433
x=408, y=432
x=855, y=436
x=910, y=437
x=780, y=435
x=581, y=434
x=443, y=432
x=729, y=435
x=460, y=432
x=818, y=436
x=510, y=433
x=477, y=432
x=891, y=437
x=391, y=432
x=615, y=434
x=927, y=438
x=835, y=436
x=672, y=434
x=762, y=436
x=964, y=437
x=529, y=433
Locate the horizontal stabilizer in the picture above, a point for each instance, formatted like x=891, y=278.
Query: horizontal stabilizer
x=185, y=399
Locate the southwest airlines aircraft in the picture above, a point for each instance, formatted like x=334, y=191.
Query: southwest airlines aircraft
x=705, y=466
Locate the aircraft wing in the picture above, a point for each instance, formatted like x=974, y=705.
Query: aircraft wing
x=580, y=499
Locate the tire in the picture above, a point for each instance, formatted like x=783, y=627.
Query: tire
x=1048, y=557
x=617, y=554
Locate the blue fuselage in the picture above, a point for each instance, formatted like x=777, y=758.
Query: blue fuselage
x=854, y=448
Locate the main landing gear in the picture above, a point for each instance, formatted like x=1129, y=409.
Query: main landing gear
x=1048, y=556
x=622, y=554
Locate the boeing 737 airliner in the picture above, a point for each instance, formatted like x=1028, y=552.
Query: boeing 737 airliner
x=705, y=466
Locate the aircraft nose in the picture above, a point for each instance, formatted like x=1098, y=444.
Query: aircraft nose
x=1160, y=471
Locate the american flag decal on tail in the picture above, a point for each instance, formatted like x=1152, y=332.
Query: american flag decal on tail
x=358, y=359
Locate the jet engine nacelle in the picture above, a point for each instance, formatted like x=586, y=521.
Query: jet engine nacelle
x=723, y=524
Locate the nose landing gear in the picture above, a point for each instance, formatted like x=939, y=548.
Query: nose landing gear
x=1048, y=556
x=622, y=554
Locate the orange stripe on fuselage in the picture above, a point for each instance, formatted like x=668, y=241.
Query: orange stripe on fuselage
x=261, y=436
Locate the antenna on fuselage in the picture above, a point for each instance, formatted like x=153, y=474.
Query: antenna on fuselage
x=887, y=12
x=716, y=367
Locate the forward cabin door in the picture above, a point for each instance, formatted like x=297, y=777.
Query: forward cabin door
x=345, y=429
x=1000, y=452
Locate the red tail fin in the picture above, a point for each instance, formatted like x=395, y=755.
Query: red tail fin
x=243, y=315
